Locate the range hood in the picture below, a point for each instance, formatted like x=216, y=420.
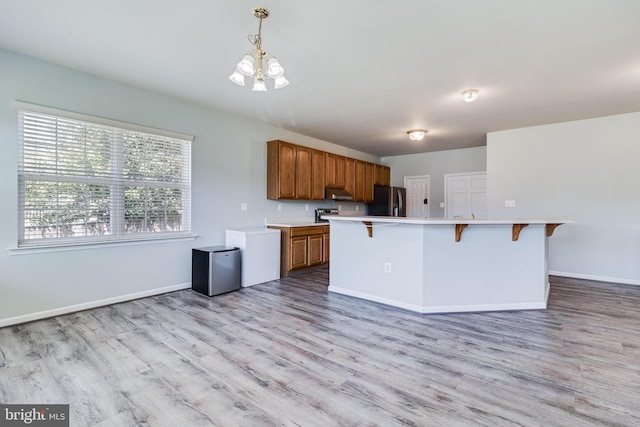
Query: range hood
x=337, y=194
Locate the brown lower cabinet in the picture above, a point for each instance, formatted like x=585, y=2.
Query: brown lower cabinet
x=303, y=247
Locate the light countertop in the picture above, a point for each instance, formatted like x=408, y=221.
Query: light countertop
x=293, y=222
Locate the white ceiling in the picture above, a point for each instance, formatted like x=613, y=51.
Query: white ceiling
x=362, y=72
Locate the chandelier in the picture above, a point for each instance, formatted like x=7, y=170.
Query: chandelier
x=253, y=63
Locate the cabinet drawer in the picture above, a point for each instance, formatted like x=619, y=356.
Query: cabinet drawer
x=306, y=231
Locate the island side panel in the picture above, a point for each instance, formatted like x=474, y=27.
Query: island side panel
x=486, y=270
x=357, y=263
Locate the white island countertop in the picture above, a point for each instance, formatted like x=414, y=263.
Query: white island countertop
x=435, y=221
x=517, y=224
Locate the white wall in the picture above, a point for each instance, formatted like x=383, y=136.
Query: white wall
x=436, y=165
x=586, y=169
x=229, y=168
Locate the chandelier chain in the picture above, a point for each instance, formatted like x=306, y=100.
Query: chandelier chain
x=256, y=39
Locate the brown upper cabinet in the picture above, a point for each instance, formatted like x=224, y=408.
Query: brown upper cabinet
x=382, y=175
x=302, y=173
x=364, y=181
x=317, y=175
x=358, y=194
x=369, y=172
x=341, y=171
x=281, y=170
x=335, y=170
x=294, y=172
x=350, y=176
x=330, y=170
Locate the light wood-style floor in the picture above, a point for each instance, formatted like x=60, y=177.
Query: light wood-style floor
x=289, y=353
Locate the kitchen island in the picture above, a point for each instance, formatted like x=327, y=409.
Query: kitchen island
x=442, y=265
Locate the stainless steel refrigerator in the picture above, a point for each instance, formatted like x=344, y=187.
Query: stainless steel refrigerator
x=388, y=201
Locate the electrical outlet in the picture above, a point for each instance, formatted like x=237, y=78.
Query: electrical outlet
x=387, y=267
x=243, y=206
x=357, y=207
x=279, y=207
x=442, y=204
x=306, y=207
x=509, y=203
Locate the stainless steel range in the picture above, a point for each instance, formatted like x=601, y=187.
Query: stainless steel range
x=325, y=211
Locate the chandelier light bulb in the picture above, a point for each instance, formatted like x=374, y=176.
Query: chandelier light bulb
x=237, y=78
x=470, y=95
x=274, y=69
x=417, y=134
x=259, y=86
x=281, y=82
x=246, y=65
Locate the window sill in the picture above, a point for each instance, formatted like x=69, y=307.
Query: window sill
x=96, y=245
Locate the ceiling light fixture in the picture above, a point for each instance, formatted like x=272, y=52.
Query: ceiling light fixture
x=417, y=134
x=470, y=95
x=253, y=63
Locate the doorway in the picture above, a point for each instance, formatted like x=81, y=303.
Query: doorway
x=418, y=196
x=466, y=195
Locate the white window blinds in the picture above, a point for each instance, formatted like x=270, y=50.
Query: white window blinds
x=84, y=179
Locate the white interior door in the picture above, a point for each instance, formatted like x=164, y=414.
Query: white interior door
x=466, y=195
x=418, y=189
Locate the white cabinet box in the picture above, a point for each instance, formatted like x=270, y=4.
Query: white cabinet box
x=260, y=251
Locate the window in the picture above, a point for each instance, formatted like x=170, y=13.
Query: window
x=83, y=179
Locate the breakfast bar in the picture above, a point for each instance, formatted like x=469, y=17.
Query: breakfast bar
x=442, y=265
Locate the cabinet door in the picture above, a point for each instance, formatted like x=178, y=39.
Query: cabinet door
x=341, y=172
x=281, y=170
x=329, y=170
x=317, y=175
x=368, y=182
x=350, y=176
x=299, y=252
x=325, y=245
x=382, y=175
x=303, y=173
x=359, y=181
x=316, y=255
x=386, y=175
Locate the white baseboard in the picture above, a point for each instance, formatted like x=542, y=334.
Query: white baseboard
x=88, y=305
x=597, y=278
x=443, y=309
x=485, y=307
x=374, y=298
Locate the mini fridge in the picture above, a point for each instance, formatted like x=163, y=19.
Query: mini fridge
x=215, y=270
x=260, y=248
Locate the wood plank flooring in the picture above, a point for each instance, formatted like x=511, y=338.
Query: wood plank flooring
x=288, y=353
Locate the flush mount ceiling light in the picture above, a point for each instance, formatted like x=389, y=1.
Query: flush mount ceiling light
x=253, y=63
x=469, y=95
x=417, y=134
